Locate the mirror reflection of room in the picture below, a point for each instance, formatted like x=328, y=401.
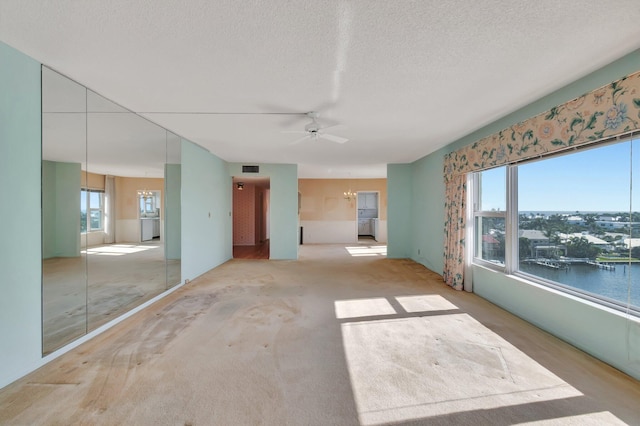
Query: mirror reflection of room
x=105, y=174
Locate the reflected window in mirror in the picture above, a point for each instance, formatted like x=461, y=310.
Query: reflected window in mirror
x=91, y=208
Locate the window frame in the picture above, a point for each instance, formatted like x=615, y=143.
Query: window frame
x=511, y=215
x=478, y=213
x=87, y=195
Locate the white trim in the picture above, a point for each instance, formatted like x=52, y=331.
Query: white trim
x=469, y=240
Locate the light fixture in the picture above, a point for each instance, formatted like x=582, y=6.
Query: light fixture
x=349, y=195
x=240, y=186
x=145, y=194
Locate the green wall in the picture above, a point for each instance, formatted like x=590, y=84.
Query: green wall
x=399, y=190
x=206, y=211
x=601, y=332
x=283, y=205
x=172, y=211
x=20, y=245
x=60, y=203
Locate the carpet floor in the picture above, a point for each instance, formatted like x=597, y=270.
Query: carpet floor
x=343, y=336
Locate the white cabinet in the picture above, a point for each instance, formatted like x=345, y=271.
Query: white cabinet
x=364, y=227
x=149, y=229
x=368, y=200
x=371, y=200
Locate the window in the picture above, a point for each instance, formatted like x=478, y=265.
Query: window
x=91, y=208
x=149, y=203
x=571, y=221
x=490, y=216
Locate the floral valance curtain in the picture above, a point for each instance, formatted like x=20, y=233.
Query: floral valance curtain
x=605, y=112
x=608, y=111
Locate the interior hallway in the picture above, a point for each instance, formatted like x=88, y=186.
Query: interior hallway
x=343, y=336
x=258, y=251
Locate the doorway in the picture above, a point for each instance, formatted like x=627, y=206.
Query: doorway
x=251, y=217
x=149, y=214
x=367, y=211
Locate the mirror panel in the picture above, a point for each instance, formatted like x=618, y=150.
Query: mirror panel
x=125, y=256
x=173, y=217
x=110, y=210
x=64, y=272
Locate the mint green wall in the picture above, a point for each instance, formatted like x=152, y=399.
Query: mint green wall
x=172, y=210
x=599, y=332
x=283, y=205
x=20, y=245
x=603, y=333
x=399, y=190
x=60, y=202
x=206, y=211
x=428, y=207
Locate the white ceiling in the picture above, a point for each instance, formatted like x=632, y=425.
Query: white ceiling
x=403, y=78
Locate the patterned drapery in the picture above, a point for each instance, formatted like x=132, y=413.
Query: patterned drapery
x=609, y=111
x=454, y=230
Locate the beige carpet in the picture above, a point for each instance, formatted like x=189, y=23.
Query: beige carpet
x=332, y=339
x=82, y=293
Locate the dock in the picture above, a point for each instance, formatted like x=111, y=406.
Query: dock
x=604, y=266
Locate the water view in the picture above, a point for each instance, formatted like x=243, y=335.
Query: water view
x=613, y=284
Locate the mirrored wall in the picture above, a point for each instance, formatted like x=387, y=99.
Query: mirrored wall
x=110, y=210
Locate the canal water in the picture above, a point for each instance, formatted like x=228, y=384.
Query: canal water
x=612, y=284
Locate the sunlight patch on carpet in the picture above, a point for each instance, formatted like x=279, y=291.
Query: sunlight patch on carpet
x=404, y=369
x=425, y=303
x=117, y=249
x=358, y=251
x=357, y=308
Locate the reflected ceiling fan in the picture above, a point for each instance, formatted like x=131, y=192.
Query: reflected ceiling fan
x=314, y=131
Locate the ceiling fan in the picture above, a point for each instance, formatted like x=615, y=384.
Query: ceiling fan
x=314, y=131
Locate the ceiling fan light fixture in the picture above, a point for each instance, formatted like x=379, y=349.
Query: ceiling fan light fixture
x=315, y=131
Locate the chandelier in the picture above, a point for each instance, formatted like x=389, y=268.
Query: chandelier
x=145, y=194
x=350, y=195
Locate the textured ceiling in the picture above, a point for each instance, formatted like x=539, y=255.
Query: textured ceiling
x=402, y=78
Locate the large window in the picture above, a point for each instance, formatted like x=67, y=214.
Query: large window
x=571, y=221
x=91, y=210
x=490, y=216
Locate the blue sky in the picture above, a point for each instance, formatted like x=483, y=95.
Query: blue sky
x=590, y=180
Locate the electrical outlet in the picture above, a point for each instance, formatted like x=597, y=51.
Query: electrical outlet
x=418, y=251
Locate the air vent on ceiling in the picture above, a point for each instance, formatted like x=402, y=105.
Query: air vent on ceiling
x=250, y=169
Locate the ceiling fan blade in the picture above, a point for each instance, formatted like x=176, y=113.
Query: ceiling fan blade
x=300, y=140
x=333, y=138
x=294, y=131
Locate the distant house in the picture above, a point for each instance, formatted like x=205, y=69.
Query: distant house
x=491, y=247
x=598, y=242
x=630, y=243
x=539, y=243
x=576, y=220
x=536, y=239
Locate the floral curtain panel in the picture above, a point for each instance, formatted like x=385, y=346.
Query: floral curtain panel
x=454, y=230
x=605, y=112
